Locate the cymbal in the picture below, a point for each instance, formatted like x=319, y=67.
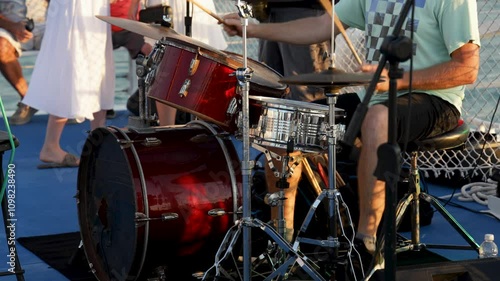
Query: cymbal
x=329, y=78
x=156, y=32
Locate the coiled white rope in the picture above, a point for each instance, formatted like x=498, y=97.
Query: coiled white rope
x=478, y=191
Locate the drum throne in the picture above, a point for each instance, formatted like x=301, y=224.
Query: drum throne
x=454, y=139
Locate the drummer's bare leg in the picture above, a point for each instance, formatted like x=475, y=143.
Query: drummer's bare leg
x=289, y=193
x=166, y=114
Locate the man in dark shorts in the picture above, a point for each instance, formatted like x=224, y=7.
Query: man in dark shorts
x=446, y=46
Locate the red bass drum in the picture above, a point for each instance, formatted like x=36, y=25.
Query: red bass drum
x=150, y=197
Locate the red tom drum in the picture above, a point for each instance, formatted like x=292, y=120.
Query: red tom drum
x=199, y=80
x=150, y=196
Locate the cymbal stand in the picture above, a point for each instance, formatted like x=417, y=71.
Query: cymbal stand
x=244, y=75
x=331, y=193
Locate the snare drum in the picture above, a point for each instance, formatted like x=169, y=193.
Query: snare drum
x=198, y=79
x=282, y=120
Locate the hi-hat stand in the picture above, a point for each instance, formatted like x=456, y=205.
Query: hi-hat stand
x=331, y=194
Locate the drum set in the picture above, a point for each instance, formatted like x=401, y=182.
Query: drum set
x=152, y=197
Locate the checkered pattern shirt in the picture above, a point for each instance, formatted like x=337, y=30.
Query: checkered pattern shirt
x=440, y=27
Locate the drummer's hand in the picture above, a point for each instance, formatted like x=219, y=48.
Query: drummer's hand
x=232, y=24
x=381, y=86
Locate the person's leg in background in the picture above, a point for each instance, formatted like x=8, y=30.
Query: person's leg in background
x=166, y=114
x=12, y=71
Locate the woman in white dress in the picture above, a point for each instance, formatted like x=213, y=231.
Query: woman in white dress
x=74, y=75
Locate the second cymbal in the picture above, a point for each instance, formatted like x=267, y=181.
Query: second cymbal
x=329, y=78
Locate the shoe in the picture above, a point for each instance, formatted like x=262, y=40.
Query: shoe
x=69, y=161
x=360, y=261
x=22, y=115
x=110, y=114
x=71, y=121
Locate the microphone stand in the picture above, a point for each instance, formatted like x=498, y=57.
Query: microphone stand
x=395, y=49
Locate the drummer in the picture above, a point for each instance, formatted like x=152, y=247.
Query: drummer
x=444, y=63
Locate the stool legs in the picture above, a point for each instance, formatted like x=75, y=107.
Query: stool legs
x=413, y=199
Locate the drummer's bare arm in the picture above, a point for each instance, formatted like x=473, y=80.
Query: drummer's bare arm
x=302, y=31
x=461, y=69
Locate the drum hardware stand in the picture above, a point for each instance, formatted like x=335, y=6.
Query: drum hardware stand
x=188, y=19
x=277, y=199
x=243, y=76
x=295, y=256
x=160, y=273
x=145, y=73
x=331, y=194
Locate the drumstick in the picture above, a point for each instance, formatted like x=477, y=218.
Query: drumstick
x=215, y=16
x=328, y=7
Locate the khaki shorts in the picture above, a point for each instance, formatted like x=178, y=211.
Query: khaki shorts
x=7, y=35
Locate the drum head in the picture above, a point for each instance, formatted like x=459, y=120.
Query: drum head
x=262, y=74
x=107, y=207
x=292, y=104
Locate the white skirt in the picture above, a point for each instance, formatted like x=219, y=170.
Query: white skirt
x=74, y=74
